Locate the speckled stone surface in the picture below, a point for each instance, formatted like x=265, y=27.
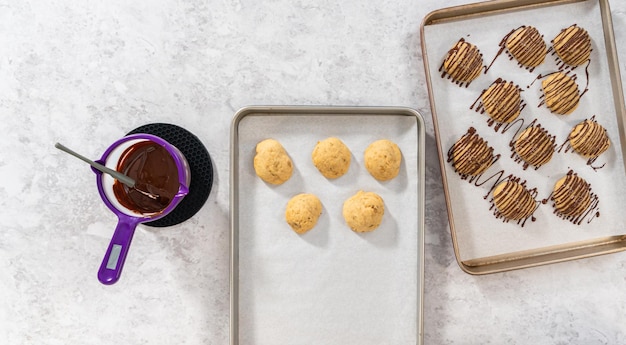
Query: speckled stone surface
x=84, y=73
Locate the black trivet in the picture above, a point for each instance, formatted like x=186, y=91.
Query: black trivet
x=199, y=164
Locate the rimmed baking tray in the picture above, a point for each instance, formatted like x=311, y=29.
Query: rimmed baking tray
x=329, y=285
x=482, y=243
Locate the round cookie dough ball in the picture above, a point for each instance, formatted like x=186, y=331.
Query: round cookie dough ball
x=382, y=159
x=363, y=211
x=272, y=163
x=331, y=157
x=303, y=211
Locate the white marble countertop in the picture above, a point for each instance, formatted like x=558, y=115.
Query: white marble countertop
x=86, y=72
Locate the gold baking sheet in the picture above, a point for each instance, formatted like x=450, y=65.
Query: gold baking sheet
x=482, y=243
x=329, y=285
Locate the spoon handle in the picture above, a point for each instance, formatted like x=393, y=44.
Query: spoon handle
x=113, y=261
x=117, y=175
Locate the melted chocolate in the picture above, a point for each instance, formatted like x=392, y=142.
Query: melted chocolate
x=155, y=174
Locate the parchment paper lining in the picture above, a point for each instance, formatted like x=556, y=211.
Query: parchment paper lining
x=479, y=233
x=330, y=285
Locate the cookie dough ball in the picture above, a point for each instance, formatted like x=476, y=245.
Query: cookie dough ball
x=464, y=62
x=573, y=45
x=527, y=46
x=571, y=195
x=382, y=159
x=561, y=93
x=272, y=163
x=303, y=211
x=535, y=146
x=331, y=157
x=471, y=154
x=513, y=201
x=589, y=139
x=502, y=101
x=364, y=211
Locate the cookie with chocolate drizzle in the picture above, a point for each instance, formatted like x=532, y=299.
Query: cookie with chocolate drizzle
x=463, y=63
x=513, y=201
x=589, y=139
x=502, y=101
x=571, y=195
x=527, y=46
x=471, y=154
x=535, y=146
x=560, y=93
x=573, y=45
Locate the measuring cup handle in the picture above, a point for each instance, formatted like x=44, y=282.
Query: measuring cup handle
x=113, y=262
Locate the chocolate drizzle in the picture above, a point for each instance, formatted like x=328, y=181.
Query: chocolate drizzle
x=512, y=200
x=463, y=63
x=589, y=139
x=501, y=101
x=534, y=146
x=560, y=93
x=471, y=154
x=566, y=147
x=531, y=144
x=573, y=199
x=526, y=45
x=573, y=46
x=498, y=178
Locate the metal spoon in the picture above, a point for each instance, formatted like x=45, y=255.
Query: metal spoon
x=116, y=174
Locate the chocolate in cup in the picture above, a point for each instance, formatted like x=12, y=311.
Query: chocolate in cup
x=155, y=174
x=162, y=177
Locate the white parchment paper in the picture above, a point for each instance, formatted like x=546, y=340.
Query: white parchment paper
x=330, y=285
x=479, y=233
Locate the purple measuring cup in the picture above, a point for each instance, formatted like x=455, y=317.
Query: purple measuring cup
x=113, y=262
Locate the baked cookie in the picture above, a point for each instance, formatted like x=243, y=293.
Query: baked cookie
x=382, y=159
x=302, y=212
x=471, y=154
x=527, y=46
x=561, y=93
x=513, y=201
x=272, y=163
x=502, y=101
x=573, y=45
x=364, y=211
x=331, y=157
x=589, y=139
x=535, y=146
x=571, y=195
x=464, y=62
